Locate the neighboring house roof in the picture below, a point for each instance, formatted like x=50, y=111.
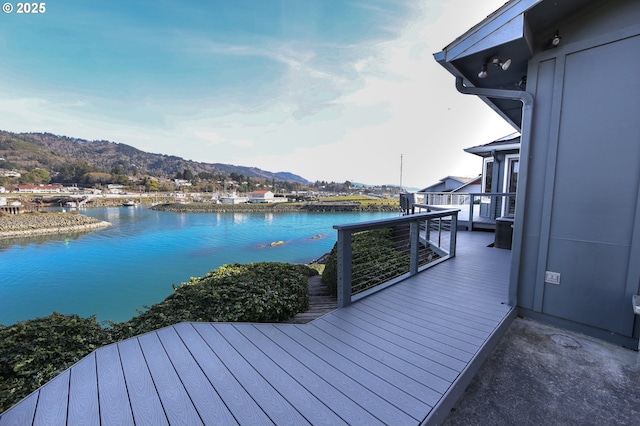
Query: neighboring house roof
x=507, y=143
x=451, y=184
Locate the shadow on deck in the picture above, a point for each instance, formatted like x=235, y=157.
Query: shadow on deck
x=401, y=356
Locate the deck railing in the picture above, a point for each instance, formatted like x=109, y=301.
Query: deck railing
x=487, y=207
x=476, y=208
x=442, y=198
x=374, y=255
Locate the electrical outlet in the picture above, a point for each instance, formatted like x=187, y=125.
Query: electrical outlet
x=552, y=277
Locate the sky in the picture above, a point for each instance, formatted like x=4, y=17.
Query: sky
x=331, y=90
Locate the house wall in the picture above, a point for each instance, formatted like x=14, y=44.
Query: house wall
x=582, y=203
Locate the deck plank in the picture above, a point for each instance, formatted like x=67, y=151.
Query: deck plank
x=332, y=351
x=242, y=406
x=316, y=359
x=83, y=393
x=408, y=363
x=52, y=403
x=435, y=336
x=416, y=397
x=401, y=317
x=21, y=413
x=145, y=401
x=435, y=350
x=205, y=398
x=279, y=410
x=176, y=402
x=325, y=391
x=304, y=401
x=112, y=390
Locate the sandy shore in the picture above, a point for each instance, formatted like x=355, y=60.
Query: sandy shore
x=27, y=224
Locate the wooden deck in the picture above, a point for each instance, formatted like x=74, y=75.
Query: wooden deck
x=400, y=356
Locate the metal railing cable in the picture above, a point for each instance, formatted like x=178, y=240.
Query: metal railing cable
x=374, y=255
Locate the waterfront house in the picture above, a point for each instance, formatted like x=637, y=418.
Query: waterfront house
x=233, y=198
x=454, y=184
x=500, y=169
x=261, y=197
x=565, y=75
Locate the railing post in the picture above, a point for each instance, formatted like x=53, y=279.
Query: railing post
x=414, y=238
x=472, y=200
x=344, y=268
x=453, y=235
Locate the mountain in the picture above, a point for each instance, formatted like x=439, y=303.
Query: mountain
x=44, y=150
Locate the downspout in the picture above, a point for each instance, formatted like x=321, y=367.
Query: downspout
x=525, y=139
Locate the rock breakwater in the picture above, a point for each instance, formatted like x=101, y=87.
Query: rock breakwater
x=46, y=223
x=275, y=207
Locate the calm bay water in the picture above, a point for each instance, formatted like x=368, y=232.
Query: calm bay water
x=114, y=271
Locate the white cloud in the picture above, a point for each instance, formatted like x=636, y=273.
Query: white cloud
x=406, y=105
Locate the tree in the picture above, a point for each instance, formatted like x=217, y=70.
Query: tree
x=36, y=176
x=152, y=185
x=187, y=175
x=117, y=170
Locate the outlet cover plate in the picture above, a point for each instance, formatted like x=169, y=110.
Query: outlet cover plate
x=552, y=277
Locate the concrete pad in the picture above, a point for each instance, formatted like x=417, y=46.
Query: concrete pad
x=544, y=375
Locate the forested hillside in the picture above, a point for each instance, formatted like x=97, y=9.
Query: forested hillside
x=70, y=159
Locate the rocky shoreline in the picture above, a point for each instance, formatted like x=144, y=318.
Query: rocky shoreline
x=27, y=224
x=275, y=207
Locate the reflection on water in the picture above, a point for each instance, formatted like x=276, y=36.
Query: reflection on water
x=113, y=271
x=9, y=243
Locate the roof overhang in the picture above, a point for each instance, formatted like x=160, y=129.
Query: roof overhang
x=484, y=151
x=515, y=32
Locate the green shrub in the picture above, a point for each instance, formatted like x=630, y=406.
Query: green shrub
x=257, y=292
x=33, y=352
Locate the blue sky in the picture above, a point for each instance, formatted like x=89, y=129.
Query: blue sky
x=327, y=89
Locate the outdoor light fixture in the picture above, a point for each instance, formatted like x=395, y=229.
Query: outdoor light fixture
x=498, y=62
x=483, y=72
x=553, y=42
x=504, y=65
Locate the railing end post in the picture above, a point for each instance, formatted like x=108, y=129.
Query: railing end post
x=344, y=268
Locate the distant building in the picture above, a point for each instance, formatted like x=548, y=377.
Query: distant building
x=38, y=189
x=265, y=197
x=233, y=199
x=261, y=197
x=181, y=182
x=11, y=173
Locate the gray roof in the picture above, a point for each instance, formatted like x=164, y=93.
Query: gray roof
x=507, y=143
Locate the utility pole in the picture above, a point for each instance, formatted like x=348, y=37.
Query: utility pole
x=400, y=172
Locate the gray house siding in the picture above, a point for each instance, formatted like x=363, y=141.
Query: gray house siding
x=573, y=92
x=583, y=181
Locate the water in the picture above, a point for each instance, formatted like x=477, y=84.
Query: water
x=114, y=271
